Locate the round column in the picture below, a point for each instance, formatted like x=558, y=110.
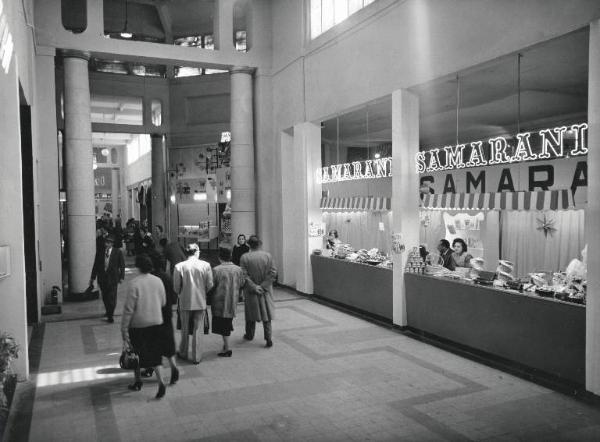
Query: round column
x=114, y=182
x=81, y=219
x=158, y=181
x=243, y=206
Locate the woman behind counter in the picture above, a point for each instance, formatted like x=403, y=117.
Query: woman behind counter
x=460, y=255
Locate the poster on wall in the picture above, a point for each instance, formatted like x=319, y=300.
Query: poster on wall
x=103, y=180
x=223, y=176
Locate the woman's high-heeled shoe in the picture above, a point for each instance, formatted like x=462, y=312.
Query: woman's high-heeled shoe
x=162, y=389
x=174, y=376
x=136, y=386
x=225, y=354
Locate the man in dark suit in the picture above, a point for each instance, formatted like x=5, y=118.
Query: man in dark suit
x=173, y=253
x=446, y=258
x=109, y=268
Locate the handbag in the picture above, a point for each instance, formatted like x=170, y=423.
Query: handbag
x=129, y=359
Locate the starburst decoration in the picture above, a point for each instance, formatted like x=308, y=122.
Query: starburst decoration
x=546, y=225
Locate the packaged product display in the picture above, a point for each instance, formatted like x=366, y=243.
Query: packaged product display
x=362, y=256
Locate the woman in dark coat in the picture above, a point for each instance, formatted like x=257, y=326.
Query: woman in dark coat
x=239, y=249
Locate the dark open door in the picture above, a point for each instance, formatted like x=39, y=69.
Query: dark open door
x=29, y=215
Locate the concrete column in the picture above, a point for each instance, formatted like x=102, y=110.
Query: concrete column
x=158, y=182
x=223, y=25
x=305, y=197
x=114, y=192
x=79, y=173
x=405, y=189
x=45, y=136
x=243, y=211
x=592, y=217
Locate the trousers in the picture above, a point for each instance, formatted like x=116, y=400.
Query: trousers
x=251, y=329
x=109, y=298
x=197, y=334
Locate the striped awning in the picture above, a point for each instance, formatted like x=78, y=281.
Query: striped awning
x=357, y=203
x=542, y=200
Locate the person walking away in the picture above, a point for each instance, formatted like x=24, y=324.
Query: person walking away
x=109, y=268
x=141, y=323
x=173, y=253
x=239, y=249
x=192, y=279
x=167, y=334
x=228, y=279
x=259, y=273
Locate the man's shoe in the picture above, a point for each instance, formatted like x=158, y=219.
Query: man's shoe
x=162, y=389
x=136, y=386
x=248, y=338
x=110, y=320
x=269, y=344
x=225, y=354
x=174, y=376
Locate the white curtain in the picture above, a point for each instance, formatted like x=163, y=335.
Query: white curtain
x=361, y=229
x=524, y=241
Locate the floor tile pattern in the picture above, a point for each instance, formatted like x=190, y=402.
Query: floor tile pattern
x=329, y=377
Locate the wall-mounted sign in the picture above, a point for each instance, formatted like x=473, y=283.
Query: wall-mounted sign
x=566, y=173
x=357, y=170
x=546, y=144
x=103, y=180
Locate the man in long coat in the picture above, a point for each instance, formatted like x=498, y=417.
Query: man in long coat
x=260, y=273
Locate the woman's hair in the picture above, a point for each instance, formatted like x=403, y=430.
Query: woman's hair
x=334, y=233
x=144, y=263
x=461, y=242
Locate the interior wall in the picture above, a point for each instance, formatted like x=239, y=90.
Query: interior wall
x=13, y=318
x=200, y=109
x=402, y=44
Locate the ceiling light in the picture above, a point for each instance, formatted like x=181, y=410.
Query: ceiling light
x=126, y=34
x=200, y=196
x=377, y=155
x=105, y=152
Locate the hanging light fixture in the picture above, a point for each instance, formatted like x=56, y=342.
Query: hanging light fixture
x=457, y=104
x=126, y=34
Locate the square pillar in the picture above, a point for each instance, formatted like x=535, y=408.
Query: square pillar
x=223, y=25
x=592, y=217
x=405, y=189
x=304, y=194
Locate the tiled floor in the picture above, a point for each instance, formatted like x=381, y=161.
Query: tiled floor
x=329, y=376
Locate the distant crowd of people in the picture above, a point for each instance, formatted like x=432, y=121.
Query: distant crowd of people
x=169, y=274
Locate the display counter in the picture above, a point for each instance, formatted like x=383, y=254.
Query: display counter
x=359, y=286
x=540, y=333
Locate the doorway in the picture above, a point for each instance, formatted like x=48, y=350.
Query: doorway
x=30, y=240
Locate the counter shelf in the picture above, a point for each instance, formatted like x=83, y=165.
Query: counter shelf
x=361, y=287
x=543, y=334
